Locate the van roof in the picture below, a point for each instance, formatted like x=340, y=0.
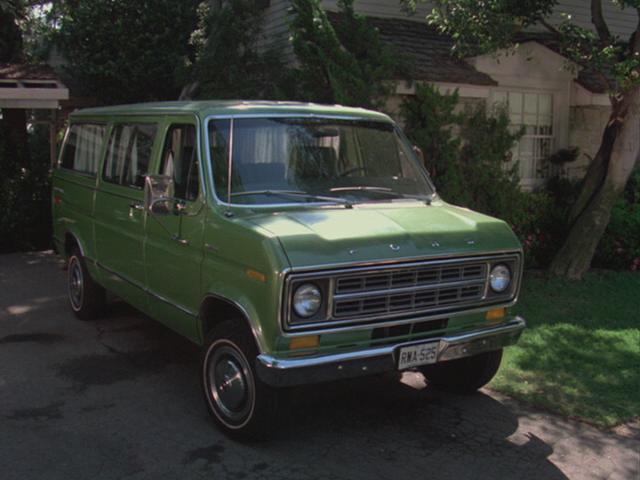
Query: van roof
x=205, y=108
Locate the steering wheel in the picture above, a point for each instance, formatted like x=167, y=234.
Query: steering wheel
x=352, y=170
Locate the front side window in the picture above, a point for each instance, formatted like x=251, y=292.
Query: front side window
x=129, y=154
x=287, y=160
x=83, y=147
x=180, y=161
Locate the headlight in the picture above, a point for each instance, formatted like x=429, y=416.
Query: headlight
x=307, y=300
x=500, y=278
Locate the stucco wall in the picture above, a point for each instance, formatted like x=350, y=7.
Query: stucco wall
x=586, y=125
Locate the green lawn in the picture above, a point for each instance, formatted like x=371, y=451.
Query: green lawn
x=580, y=355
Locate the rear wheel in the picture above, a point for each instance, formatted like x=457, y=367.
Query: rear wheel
x=86, y=297
x=465, y=375
x=241, y=404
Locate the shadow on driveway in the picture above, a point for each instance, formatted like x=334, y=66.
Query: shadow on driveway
x=120, y=398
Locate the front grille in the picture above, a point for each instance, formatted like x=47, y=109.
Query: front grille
x=379, y=334
x=409, y=289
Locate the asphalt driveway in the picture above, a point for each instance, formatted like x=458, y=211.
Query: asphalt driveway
x=120, y=398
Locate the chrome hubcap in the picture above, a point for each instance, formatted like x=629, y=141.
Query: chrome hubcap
x=230, y=384
x=75, y=283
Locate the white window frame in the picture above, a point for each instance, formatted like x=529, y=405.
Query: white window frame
x=527, y=181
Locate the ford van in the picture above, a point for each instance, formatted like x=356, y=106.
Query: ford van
x=296, y=243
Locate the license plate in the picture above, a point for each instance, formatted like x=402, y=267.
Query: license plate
x=417, y=355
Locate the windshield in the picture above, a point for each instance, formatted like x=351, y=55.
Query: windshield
x=297, y=160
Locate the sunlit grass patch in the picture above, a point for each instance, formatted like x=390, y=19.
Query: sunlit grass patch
x=580, y=355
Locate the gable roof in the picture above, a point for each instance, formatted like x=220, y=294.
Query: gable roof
x=430, y=59
x=587, y=77
x=428, y=53
x=30, y=86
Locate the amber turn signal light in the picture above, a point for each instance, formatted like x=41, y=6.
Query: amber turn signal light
x=256, y=275
x=309, y=341
x=494, y=316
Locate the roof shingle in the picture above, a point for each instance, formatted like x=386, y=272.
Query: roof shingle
x=430, y=53
x=22, y=71
x=427, y=51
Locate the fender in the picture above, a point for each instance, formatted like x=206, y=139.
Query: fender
x=248, y=313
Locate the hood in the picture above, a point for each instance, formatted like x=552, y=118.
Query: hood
x=369, y=233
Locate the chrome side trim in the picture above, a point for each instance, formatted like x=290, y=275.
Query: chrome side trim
x=147, y=290
x=297, y=371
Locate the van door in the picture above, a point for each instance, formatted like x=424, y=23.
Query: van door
x=119, y=210
x=174, y=240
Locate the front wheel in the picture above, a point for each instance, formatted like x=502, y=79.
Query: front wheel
x=465, y=375
x=241, y=404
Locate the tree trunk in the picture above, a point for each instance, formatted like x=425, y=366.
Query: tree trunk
x=597, y=171
x=604, y=183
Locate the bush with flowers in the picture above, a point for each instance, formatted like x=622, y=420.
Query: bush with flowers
x=620, y=246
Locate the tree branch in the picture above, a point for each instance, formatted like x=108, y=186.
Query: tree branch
x=597, y=18
x=634, y=41
x=550, y=27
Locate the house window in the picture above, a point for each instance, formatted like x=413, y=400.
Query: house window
x=534, y=112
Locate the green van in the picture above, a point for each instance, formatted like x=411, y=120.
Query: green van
x=297, y=243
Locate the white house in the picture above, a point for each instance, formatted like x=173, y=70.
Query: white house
x=558, y=107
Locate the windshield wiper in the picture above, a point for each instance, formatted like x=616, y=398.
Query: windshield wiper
x=385, y=190
x=295, y=193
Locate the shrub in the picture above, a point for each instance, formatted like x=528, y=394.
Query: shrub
x=466, y=152
x=229, y=62
x=467, y=155
x=120, y=51
x=480, y=176
x=619, y=247
x=25, y=196
x=345, y=62
x=430, y=119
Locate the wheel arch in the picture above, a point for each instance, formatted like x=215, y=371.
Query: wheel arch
x=216, y=309
x=72, y=240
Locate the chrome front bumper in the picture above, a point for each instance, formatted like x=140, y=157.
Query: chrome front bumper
x=280, y=372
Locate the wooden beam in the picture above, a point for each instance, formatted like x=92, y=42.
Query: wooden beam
x=29, y=104
x=53, y=150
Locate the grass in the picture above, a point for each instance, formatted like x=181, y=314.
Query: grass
x=580, y=355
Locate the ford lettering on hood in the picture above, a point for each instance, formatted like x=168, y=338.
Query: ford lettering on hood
x=387, y=232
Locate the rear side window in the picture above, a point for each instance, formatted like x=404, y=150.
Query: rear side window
x=129, y=154
x=83, y=148
x=180, y=160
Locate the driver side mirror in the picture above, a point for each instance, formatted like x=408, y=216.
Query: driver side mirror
x=158, y=194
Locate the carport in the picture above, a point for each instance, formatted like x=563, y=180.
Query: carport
x=32, y=87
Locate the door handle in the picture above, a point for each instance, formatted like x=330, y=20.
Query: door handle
x=136, y=206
